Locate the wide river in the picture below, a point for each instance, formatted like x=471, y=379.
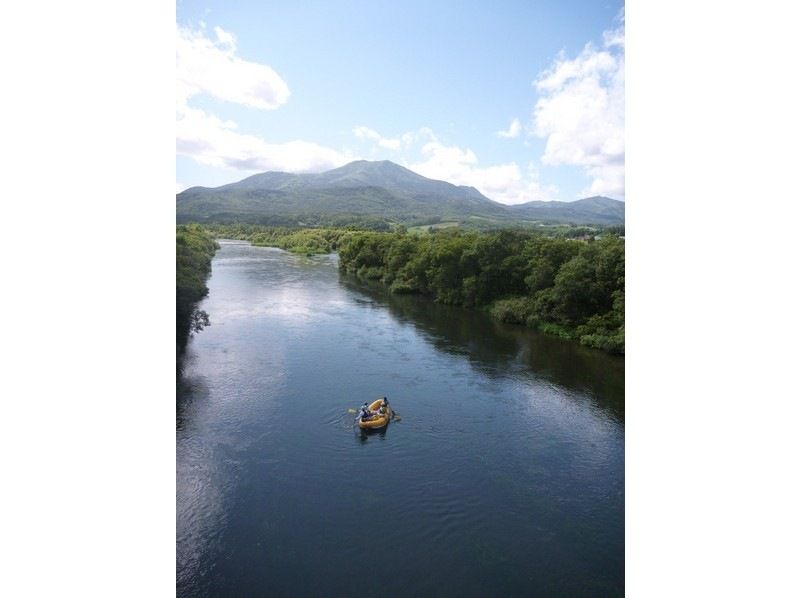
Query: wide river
x=502, y=476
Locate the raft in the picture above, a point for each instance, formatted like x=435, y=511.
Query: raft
x=377, y=421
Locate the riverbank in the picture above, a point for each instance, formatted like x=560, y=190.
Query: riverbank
x=194, y=250
x=303, y=241
x=570, y=288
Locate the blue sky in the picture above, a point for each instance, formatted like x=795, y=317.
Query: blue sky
x=523, y=100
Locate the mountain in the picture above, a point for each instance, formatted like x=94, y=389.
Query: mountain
x=591, y=210
x=375, y=190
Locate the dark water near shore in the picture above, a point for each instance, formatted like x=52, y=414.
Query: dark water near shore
x=504, y=475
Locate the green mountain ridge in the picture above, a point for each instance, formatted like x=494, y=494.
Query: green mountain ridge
x=378, y=190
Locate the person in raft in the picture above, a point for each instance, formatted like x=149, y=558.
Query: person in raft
x=364, y=413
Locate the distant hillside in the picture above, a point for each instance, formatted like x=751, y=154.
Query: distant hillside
x=592, y=210
x=378, y=190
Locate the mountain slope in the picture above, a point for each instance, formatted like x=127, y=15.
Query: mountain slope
x=379, y=190
x=591, y=210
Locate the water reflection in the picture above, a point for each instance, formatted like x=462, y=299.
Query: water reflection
x=496, y=349
x=188, y=390
x=364, y=435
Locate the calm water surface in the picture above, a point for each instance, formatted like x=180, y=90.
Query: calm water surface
x=503, y=477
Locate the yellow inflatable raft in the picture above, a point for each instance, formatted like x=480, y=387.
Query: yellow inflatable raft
x=377, y=421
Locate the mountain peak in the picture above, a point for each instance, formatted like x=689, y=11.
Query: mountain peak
x=385, y=174
x=372, y=166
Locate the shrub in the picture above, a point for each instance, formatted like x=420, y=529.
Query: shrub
x=516, y=310
x=403, y=287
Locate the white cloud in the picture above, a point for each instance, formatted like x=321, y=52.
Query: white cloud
x=505, y=183
x=424, y=153
x=212, y=67
x=225, y=38
x=365, y=133
x=404, y=141
x=206, y=66
x=215, y=142
x=514, y=129
x=581, y=113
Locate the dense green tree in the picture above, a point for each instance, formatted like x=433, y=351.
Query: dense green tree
x=545, y=256
x=194, y=250
x=574, y=290
x=567, y=287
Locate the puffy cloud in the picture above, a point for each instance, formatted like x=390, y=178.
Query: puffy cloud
x=581, y=113
x=514, y=129
x=215, y=142
x=212, y=67
x=424, y=153
x=505, y=183
x=208, y=66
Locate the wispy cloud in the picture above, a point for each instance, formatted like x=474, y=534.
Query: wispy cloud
x=207, y=66
x=423, y=152
x=581, y=113
x=514, y=129
x=365, y=133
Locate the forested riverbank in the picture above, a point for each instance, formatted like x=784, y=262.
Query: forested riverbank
x=306, y=241
x=574, y=289
x=194, y=249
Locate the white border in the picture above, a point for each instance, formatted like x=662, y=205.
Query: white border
x=88, y=434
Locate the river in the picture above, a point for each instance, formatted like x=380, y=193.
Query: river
x=503, y=475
